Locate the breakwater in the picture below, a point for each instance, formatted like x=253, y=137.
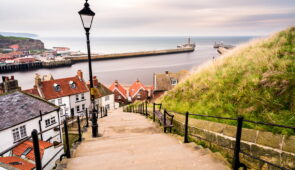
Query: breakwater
x=131, y=54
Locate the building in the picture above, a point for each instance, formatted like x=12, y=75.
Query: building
x=21, y=113
x=71, y=93
x=137, y=91
x=8, y=85
x=25, y=60
x=14, y=47
x=104, y=97
x=62, y=51
x=119, y=92
x=166, y=81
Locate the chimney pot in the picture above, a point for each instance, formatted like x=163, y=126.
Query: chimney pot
x=80, y=74
x=166, y=72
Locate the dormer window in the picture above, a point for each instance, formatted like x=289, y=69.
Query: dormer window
x=56, y=87
x=173, y=81
x=72, y=84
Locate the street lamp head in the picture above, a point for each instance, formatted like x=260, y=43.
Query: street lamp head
x=86, y=16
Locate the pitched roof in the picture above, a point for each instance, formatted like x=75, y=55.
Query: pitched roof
x=17, y=163
x=135, y=87
x=99, y=89
x=162, y=82
x=32, y=91
x=117, y=86
x=18, y=107
x=49, y=92
x=28, y=146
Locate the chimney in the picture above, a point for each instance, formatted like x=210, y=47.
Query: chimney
x=95, y=81
x=116, y=82
x=166, y=72
x=12, y=78
x=80, y=74
x=37, y=80
x=137, y=81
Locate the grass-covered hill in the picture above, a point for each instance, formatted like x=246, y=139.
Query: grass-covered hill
x=256, y=80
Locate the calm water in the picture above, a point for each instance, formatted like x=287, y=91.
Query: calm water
x=129, y=69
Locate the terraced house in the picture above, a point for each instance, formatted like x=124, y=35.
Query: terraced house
x=71, y=93
x=119, y=92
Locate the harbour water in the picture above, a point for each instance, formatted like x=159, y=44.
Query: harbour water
x=127, y=70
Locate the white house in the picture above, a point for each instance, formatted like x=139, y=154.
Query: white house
x=71, y=93
x=104, y=97
x=21, y=113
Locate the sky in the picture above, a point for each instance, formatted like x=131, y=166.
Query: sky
x=51, y=18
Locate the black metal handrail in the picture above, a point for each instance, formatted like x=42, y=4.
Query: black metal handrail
x=236, y=160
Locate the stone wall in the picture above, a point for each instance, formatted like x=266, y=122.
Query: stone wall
x=274, y=148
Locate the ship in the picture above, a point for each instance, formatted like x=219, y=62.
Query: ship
x=221, y=44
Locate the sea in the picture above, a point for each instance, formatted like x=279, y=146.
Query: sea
x=128, y=70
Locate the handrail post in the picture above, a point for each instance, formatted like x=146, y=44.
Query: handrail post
x=87, y=125
x=146, y=109
x=236, y=159
x=186, y=128
x=79, y=129
x=165, y=120
x=154, y=109
x=36, y=150
x=68, y=153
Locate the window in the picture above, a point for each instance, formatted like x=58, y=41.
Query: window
x=77, y=97
x=138, y=95
x=108, y=106
x=59, y=101
x=52, y=101
x=72, y=84
x=119, y=97
x=56, y=87
x=52, y=119
x=83, y=106
x=19, y=133
x=82, y=96
x=107, y=98
x=47, y=122
x=78, y=108
x=173, y=81
x=61, y=111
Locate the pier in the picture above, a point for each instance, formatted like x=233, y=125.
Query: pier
x=132, y=54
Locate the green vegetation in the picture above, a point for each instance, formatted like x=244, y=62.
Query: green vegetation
x=256, y=81
x=13, y=38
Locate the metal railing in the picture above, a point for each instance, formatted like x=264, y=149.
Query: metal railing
x=236, y=163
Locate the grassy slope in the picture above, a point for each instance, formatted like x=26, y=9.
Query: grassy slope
x=256, y=81
x=13, y=38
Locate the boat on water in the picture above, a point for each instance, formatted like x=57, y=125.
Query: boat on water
x=188, y=44
x=221, y=44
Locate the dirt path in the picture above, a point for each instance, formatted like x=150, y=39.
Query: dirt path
x=130, y=141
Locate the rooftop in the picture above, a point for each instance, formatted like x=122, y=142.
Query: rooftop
x=17, y=162
x=18, y=107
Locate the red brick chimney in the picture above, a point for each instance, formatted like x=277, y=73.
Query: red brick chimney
x=37, y=80
x=116, y=82
x=80, y=74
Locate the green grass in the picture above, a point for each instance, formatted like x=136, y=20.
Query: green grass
x=256, y=80
x=13, y=38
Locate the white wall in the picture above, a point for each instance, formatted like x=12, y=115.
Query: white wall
x=65, y=106
x=48, y=154
x=110, y=102
x=80, y=102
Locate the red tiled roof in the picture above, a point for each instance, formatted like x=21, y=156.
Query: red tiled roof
x=65, y=89
x=117, y=86
x=32, y=91
x=135, y=87
x=20, y=149
x=14, y=46
x=17, y=163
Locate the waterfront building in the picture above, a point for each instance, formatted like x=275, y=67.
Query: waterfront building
x=166, y=81
x=71, y=93
x=21, y=113
x=104, y=97
x=138, y=91
x=119, y=92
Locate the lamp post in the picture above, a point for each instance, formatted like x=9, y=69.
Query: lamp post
x=87, y=17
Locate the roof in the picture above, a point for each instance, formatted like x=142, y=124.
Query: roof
x=135, y=88
x=116, y=86
x=28, y=146
x=32, y=91
x=49, y=92
x=162, y=82
x=18, y=107
x=99, y=89
x=17, y=163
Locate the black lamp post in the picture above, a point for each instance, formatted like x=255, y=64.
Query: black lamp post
x=87, y=17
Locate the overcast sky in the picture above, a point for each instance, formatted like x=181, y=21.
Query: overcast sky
x=148, y=17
